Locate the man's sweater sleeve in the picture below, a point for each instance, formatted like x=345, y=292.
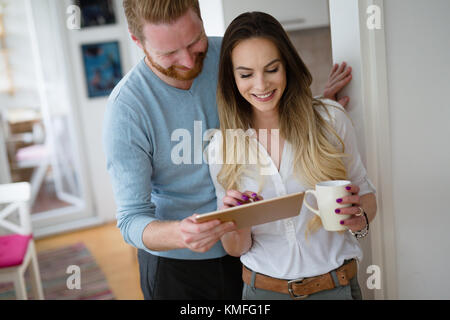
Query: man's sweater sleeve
x=129, y=155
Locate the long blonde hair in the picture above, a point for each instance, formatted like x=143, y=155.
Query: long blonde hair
x=318, y=150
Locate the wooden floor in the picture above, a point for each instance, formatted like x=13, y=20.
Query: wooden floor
x=115, y=257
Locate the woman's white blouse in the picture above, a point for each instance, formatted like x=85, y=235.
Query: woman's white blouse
x=279, y=248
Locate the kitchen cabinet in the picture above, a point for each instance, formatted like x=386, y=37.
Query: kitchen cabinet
x=293, y=14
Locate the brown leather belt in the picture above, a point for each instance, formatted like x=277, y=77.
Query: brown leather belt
x=301, y=288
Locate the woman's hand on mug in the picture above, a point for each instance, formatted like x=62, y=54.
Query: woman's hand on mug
x=356, y=221
x=235, y=198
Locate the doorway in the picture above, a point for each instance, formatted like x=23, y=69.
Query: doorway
x=40, y=135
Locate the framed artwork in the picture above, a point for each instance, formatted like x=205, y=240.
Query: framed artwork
x=96, y=12
x=102, y=67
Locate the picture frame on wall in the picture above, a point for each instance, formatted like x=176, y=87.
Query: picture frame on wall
x=102, y=67
x=96, y=12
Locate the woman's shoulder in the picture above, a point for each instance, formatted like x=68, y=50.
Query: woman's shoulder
x=334, y=113
x=331, y=105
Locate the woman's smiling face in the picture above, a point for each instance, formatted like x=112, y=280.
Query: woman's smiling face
x=259, y=73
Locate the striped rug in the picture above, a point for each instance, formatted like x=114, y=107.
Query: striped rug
x=54, y=265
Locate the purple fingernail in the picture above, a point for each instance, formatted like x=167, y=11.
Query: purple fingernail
x=244, y=197
x=254, y=195
x=348, y=188
x=342, y=222
x=339, y=200
x=337, y=211
x=238, y=203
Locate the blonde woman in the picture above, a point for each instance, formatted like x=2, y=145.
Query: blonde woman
x=264, y=85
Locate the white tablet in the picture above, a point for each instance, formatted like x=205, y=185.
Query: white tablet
x=258, y=212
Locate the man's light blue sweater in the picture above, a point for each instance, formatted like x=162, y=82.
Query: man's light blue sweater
x=144, y=136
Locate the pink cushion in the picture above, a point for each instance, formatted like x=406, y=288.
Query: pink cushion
x=35, y=152
x=12, y=249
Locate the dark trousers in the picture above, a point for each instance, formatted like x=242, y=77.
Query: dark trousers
x=173, y=279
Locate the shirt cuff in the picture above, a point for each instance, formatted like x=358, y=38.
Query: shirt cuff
x=366, y=187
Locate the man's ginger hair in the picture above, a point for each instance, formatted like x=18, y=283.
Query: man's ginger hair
x=138, y=12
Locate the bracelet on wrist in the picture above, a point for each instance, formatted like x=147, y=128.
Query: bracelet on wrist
x=364, y=231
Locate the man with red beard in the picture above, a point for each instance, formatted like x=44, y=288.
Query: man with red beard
x=173, y=86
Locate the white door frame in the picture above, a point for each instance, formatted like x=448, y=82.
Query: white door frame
x=364, y=49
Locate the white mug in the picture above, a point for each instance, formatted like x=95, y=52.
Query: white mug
x=326, y=193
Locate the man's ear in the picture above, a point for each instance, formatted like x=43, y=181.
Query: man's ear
x=136, y=40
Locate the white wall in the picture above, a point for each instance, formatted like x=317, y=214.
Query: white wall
x=418, y=57
x=213, y=17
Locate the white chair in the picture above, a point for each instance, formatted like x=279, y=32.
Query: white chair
x=17, y=250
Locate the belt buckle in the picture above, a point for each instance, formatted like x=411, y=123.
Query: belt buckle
x=291, y=291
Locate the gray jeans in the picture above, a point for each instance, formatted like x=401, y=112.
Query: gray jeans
x=352, y=291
